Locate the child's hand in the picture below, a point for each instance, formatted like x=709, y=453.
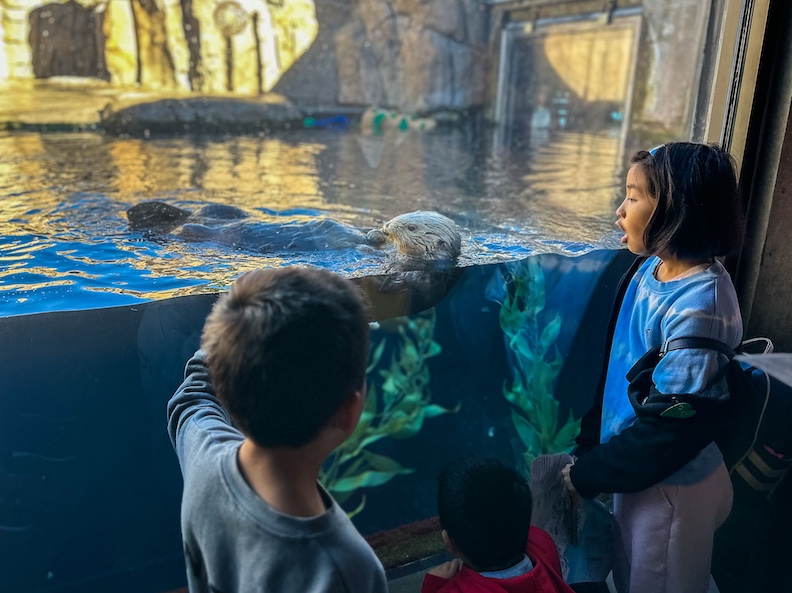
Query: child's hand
x=568, y=482
x=447, y=570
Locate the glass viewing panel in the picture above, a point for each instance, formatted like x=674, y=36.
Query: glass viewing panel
x=254, y=121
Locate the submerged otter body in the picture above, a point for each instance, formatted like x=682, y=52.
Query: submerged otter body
x=419, y=237
x=265, y=237
x=231, y=226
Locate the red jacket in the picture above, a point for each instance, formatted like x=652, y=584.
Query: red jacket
x=545, y=577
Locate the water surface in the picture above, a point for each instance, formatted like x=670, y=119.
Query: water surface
x=64, y=242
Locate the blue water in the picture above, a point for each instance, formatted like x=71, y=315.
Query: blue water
x=64, y=242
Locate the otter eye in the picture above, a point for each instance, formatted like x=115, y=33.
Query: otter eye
x=411, y=227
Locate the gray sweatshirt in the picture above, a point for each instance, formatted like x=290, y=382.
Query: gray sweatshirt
x=233, y=541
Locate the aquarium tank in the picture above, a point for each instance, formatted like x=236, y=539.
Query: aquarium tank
x=152, y=152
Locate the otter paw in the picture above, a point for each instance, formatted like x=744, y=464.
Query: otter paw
x=376, y=237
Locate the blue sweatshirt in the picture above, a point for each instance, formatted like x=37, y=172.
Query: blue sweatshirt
x=653, y=312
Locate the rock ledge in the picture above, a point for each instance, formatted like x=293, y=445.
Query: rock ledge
x=201, y=115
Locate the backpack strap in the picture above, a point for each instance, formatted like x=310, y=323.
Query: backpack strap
x=695, y=342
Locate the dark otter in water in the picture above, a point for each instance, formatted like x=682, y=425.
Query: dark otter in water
x=418, y=236
x=231, y=226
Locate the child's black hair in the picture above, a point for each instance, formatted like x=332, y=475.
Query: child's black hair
x=485, y=506
x=285, y=347
x=699, y=212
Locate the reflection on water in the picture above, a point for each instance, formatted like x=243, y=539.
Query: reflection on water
x=569, y=175
x=65, y=242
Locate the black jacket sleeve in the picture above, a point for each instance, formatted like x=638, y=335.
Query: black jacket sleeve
x=642, y=455
x=589, y=435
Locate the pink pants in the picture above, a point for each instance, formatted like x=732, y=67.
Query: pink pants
x=665, y=533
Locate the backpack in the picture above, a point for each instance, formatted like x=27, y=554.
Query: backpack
x=752, y=548
x=755, y=438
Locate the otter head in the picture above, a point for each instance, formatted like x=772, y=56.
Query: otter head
x=425, y=235
x=156, y=216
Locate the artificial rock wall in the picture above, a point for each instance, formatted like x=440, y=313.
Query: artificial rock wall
x=417, y=56
x=156, y=44
x=413, y=55
x=675, y=39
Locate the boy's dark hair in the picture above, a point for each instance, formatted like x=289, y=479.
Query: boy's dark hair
x=485, y=506
x=699, y=212
x=284, y=348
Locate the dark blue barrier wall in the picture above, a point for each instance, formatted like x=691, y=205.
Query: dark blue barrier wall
x=90, y=487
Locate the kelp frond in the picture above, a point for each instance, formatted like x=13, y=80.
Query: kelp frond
x=398, y=402
x=531, y=333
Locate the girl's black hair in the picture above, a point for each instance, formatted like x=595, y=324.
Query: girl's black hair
x=699, y=212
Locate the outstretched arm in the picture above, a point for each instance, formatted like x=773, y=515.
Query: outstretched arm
x=196, y=420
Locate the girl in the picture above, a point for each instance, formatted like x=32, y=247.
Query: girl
x=682, y=209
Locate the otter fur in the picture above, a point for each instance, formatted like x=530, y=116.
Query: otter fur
x=425, y=236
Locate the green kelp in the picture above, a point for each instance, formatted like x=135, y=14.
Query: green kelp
x=532, y=333
x=397, y=404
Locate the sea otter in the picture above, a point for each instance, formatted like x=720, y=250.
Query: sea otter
x=424, y=236
x=419, y=272
x=419, y=237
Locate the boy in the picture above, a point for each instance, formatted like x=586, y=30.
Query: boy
x=485, y=511
x=286, y=350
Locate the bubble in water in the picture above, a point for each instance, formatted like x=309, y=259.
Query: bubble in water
x=491, y=432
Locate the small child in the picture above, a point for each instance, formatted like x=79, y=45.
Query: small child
x=485, y=511
x=283, y=357
x=682, y=208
